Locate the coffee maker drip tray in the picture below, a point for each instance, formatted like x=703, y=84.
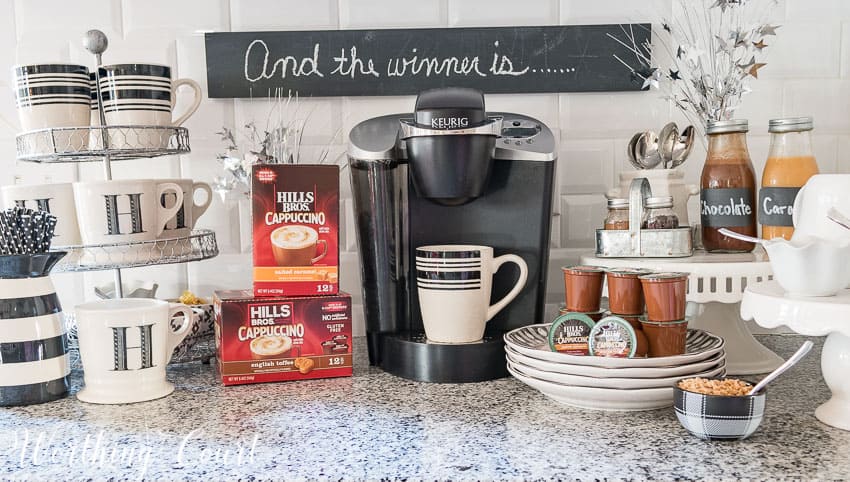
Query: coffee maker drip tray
x=412, y=356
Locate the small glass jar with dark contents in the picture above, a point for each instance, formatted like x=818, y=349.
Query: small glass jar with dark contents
x=618, y=214
x=659, y=213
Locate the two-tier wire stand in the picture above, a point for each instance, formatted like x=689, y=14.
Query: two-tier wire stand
x=107, y=143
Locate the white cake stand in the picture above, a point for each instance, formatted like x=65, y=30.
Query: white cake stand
x=769, y=306
x=717, y=283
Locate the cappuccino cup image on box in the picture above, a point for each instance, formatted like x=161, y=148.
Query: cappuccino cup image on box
x=125, y=345
x=296, y=246
x=57, y=199
x=454, y=284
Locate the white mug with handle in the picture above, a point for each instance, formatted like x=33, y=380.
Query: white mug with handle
x=454, y=283
x=125, y=345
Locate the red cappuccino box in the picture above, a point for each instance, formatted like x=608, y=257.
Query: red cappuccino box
x=280, y=339
x=295, y=211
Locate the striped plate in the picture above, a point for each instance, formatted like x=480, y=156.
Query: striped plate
x=533, y=341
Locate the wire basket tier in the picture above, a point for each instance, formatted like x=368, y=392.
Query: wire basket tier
x=199, y=245
x=88, y=144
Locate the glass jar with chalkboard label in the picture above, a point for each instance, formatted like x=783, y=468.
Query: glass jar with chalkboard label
x=790, y=164
x=727, y=188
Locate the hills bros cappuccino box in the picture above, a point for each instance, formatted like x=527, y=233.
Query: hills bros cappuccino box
x=279, y=339
x=295, y=211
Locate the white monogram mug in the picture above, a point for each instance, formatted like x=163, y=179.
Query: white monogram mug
x=125, y=345
x=184, y=221
x=57, y=199
x=124, y=211
x=454, y=285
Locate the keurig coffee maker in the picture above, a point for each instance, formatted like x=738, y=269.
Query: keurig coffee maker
x=449, y=174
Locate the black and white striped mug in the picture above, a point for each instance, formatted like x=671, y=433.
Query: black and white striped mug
x=143, y=94
x=34, y=361
x=454, y=285
x=51, y=96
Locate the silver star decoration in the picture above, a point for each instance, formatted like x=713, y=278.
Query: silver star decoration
x=722, y=44
x=652, y=80
x=768, y=29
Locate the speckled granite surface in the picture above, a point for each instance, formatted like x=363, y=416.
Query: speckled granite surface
x=378, y=426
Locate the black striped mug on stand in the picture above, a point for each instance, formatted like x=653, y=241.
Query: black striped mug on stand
x=34, y=360
x=454, y=283
x=54, y=96
x=142, y=94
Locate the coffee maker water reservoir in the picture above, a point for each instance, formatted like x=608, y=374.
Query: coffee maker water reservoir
x=449, y=174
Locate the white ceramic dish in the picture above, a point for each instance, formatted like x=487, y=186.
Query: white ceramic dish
x=532, y=340
x=596, y=372
x=619, y=383
x=810, y=266
x=600, y=398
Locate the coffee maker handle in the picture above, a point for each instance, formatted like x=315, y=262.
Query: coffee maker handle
x=520, y=284
x=175, y=337
x=167, y=214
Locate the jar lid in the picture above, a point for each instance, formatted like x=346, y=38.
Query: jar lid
x=727, y=125
x=664, y=276
x=618, y=203
x=790, y=124
x=583, y=269
x=659, y=202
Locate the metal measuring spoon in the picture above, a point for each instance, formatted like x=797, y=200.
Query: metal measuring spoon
x=647, y=150
x=630, y=151
x=684, y=146
x=666, y=141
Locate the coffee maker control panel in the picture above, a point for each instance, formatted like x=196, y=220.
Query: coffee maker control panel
x=519, y=129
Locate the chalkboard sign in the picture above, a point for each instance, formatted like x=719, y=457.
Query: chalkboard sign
x=572, y=58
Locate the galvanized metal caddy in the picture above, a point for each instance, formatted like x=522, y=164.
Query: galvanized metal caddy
x=643, y=243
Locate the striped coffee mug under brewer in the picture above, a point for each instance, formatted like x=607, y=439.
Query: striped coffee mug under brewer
x=454, y=286
x=54, y=96
x=34, y=363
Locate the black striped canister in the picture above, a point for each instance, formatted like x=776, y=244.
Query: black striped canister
x=34, y=361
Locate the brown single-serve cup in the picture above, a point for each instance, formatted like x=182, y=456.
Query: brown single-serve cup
x=665, y=295
x=625, y=294
x=295, y=245
x=583, y=287
x=666, y=338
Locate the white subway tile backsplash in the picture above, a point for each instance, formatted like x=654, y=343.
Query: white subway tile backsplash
x=493, y=13
x=358, y=109
x=576, y=12
x=822, y=10
x=392, y=13
x=136, y=47
x=593, y=158
x=581, y=214
x=170, y=17
x=7, y=38
x=615, y=114
x=246, y=15
x=804, y=50
x=828, y=100
x=68, y=20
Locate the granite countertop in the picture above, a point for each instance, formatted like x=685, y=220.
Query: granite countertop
x=377, y=426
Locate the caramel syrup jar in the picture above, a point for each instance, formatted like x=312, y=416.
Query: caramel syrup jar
x=450, y=173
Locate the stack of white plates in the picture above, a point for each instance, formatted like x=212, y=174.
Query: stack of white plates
x=602, y=383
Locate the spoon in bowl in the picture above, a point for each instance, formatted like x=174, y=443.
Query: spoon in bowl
x=796, y=357
x=740, y=237
x=835, y=216
x=630, y=151
x=666, y=141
